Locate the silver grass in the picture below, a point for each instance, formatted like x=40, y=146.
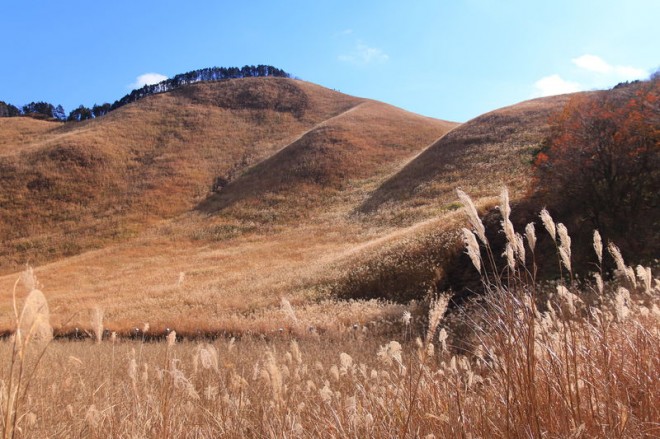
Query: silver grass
x=505, y=209
x=520, y=248
x=598, y=246
x=97, y=324
x=473, y=216
x=510, y=256
x=530, y=233
x=34, y=322
x=621, y=300
x=565, y=258
x=599, y=283
x=29, y=279
x=472, y=247
x=549, y=224
x=565, y=239
x=568, y=298
x=618, y=259
x=644, y=274
x=437, y=311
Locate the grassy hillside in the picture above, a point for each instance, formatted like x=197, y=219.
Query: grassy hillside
x=480, y=155
x=66, y=188
x=318, y=196
x=300, y=213
x=555, y=360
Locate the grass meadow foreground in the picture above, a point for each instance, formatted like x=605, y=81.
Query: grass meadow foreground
x=526, y=359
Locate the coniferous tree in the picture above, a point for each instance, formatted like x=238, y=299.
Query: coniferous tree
x=100, y=110
x=80, y=113
x=39, y=109
x=9, y=110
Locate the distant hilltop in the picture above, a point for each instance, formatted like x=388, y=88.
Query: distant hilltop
x=208, y=74
x=45, y=110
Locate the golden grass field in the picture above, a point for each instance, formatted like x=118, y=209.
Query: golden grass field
x=304, y=293
x=527, y=360
x=117, y=212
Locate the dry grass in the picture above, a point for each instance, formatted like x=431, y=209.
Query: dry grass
x=225, y=282
x=298, y=158
x=67, y=188
x=491, y=150
x=527, y=360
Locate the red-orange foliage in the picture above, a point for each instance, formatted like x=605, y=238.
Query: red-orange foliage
x=602, y=159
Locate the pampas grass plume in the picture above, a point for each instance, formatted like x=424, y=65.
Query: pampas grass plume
x=530, y=233
x=436, y=312
x=565, y=238
x=644, y=274
x=598, y=246
x=97, y=324
x=34, y=322
x=472, y=248
x=473, y=216
x=549, y=224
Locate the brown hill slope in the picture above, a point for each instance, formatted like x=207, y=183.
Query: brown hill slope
x=286, y=225
x=479, y=156
x=336, y=158
x=65, y=188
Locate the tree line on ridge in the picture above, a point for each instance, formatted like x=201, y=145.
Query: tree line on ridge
x=47, y=111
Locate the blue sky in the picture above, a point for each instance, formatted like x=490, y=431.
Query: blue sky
x=448, y=59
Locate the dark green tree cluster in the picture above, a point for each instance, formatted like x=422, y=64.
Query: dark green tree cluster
x=9, y=110
x=80, y=113
x=45, y=110
x=208, y=74
x=85, y=113
x=38, y=110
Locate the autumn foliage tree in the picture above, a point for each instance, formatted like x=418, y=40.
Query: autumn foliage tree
x=602, y=159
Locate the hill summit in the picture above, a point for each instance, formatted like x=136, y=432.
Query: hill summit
x=67, y=188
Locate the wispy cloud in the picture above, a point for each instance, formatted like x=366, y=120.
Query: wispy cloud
x=596, y=64
x=147, y=79
x=554, y=85
x=364, y=55
x=593, y=71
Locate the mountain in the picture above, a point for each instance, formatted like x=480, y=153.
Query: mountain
x=215, y=200
x=481, y=155
x=70, y=187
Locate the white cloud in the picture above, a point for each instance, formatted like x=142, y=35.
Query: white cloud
x=596, y=64
x=554, y=85
x=592, y=63
x=363, y=55
x=594, y=73
x=147, y=79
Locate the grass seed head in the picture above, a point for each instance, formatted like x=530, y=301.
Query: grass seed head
x=472, y=215
x=97, y=323
x=530, y=233
x=436, y=312
x=549, y=224
x=34, y=322
x=472, y=248
x=565, y=239
x=598, y=246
